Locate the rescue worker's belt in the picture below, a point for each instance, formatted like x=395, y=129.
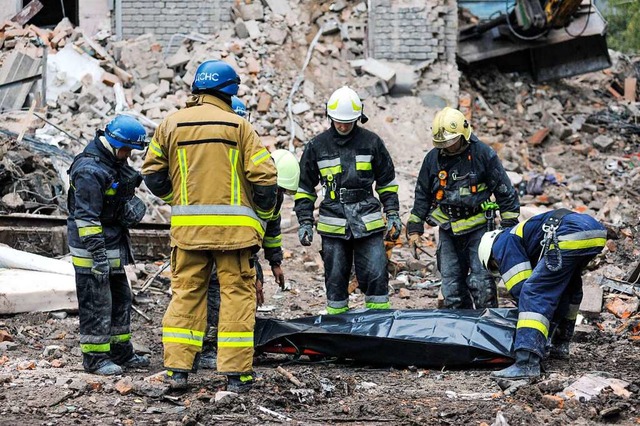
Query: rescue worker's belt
x=459, y=212
x=353, y=195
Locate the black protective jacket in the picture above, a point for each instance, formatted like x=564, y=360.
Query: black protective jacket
x=471, y=177
x=347, y=167
x=99, y=188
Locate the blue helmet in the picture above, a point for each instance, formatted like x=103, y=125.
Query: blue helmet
x=125, y=131
x=238, y=106
x=216, y=76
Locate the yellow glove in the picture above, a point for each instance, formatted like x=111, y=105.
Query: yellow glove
x=414, y=243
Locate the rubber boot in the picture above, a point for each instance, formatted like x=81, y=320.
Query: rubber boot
x=527, y=366
x=137, y=361
x=107, y=367
x=240, y=383
x=560, y=349
x=176, y=379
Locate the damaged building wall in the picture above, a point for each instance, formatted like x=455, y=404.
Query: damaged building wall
x=165, y=18
x=422, y=33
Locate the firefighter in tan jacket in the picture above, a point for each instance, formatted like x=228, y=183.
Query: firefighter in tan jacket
x=210, y=165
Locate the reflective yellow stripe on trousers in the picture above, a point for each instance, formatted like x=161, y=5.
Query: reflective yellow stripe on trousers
x=235, y=339
x=183, y=336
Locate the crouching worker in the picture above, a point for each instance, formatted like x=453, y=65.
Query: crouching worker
x=541, y=262
x=102, y=207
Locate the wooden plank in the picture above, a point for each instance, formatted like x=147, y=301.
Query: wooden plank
x=17, y=65
x=630, y=84
x=28, y=12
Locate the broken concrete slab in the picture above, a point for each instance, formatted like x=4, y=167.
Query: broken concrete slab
x=31, y=291
x=590, y=386
x=381, y=70
x=279, y=7
x=253, y=29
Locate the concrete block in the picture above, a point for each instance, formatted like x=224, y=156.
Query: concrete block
x=253, y=29
x=241, y=29
x=277, y=36
x=180, y=58
x=250, y=11
x=591, y=305
x=279, y=7
x=380, y=70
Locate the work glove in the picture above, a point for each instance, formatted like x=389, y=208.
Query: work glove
x=489, y=205
x=101, y=269
x=394, y=226
x=305, y=233
x=276, y=269
x=414, y=244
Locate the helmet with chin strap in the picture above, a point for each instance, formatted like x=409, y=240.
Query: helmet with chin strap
x=216, y=76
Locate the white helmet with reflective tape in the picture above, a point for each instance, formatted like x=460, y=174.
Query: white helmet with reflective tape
x=485, y=249
x=344, y=105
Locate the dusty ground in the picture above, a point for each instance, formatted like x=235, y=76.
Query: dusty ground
x=42, y=381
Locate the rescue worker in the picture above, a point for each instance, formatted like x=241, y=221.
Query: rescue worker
x=541, y=262
x=347, y=160
x=210, y=165
x=102, y=207
x=455, y=182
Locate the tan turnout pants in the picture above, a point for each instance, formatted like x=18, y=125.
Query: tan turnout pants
x=185, y=321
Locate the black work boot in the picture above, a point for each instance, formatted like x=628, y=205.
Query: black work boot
x=106, y=367
x=240, y=383
x=176, y=379
x=137, y=361
x=560, y=349
x=527, y=366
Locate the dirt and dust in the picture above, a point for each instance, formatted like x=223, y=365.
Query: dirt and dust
x=43, y=382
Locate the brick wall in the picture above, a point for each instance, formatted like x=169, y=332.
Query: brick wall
x=165, y=18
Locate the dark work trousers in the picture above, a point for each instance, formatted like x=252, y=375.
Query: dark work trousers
x=370, y=260
x=549, y=297
x=465, y=283
x=104, y=308
x=213, y=307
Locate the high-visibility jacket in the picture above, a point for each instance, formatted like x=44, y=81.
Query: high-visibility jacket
x=347, y=167
x=99, y=187
x=517, y=250
x=209, y=164
x=454, y=203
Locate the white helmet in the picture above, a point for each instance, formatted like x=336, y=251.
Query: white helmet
x=344, y=105
x=484, y=251
x=288, y=169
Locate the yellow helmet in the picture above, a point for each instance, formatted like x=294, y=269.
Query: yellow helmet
x=288, y=169
x=448, y=125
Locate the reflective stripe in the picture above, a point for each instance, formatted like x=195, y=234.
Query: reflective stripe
x=155, y=147
x=216, y=210
x=509, y=215
x=389, y=187
x=373, y=221
x=300, y=195
x=371, y=305
x=235, y=181
x=582, y=240
x=226, y=221
x=336, y=311
x=572, y=314
x=85, y=223
x=83, y=262
x=260, y=156
x=363, y=158
x=464, y=191
x=235, y=339
x=330, y=167
x=265, y=214
x=111, y=254
x=414, y=219
x=439, y=216
x=516, y=274
x=272, y=242
x=167, y=198
x=182, y=335
x=332, y=225
x=182, y=159
x=377, y=299
x=534, y=320
x=332, y=220
x=363, y=166
x=468, y=223
x=89, y=230
x=121, y=338
x=95, y=347
x=518, y=229
x=338, y=304
x=110, y=191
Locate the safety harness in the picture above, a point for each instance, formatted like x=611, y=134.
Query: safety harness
x=549, y=242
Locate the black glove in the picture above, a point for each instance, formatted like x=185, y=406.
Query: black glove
x=132, y=212
x=305, y=233
x=394, y=226
x=101, y=269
